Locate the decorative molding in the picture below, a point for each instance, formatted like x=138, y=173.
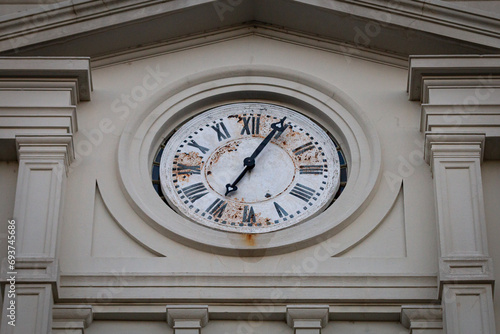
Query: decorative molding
x=466, y=268
x=34, y=269
x=453, y=145
x=187, y=319
x=484, y=119
x=422, y=319
x=40, y=85
x=36, y=68
x=268, y=311
x=187, y=97
x=38, y=96
x=348, y=50
x=46, y=149
x=17, y=121
x=215, y=288
x=307, y=319
x=458, y=65
x=69, y=319
x=459, y=94
x=467, y=91
x=40, y=27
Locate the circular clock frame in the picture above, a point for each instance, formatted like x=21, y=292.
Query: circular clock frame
x=293, y=178
x=182, y=100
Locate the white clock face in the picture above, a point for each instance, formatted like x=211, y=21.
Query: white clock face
x=292, y=174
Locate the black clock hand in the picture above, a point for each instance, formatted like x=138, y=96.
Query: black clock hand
x=277, y=127
x=249, y=162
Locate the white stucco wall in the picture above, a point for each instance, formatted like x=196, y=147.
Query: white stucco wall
x=91, y=240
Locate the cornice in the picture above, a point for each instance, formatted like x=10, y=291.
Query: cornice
x=271, y=311
x=259, y=29
x=33, y=26
x=473, y=66
x=58, y=23
x=49, y=68
x=230, y=287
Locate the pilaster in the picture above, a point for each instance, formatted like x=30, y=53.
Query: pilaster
x=38, y=98
x=32, y=310
x=455, y=162
x=461, y=121
x=468, y=308
x=187, y=319
x=307, y=319
x=43, y=161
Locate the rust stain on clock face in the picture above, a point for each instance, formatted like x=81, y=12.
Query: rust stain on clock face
x=191, y=159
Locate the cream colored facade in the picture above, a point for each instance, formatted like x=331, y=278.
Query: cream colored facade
x=90, y=89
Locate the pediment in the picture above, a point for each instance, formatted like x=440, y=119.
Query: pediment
x=103, y=28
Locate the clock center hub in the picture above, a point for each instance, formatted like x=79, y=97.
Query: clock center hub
x=273, y=173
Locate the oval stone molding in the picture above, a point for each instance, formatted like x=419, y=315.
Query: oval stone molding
x=324, y=103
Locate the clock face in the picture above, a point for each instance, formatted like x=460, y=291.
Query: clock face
x=293, y=173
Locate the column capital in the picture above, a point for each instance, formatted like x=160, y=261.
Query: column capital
x=422, y=317
x=307, y=317
x=38, y=96
x=46, y=148
x=187, y=318
x=74, y=318
x=453, y=145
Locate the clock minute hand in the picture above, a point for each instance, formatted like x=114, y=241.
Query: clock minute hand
x=277, y=127
x=249, y=162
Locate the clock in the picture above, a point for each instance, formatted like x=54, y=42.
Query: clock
x=249, y=168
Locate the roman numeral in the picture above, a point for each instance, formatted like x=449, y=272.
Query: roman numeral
x=184, y=169
x=281, y=212
x=220, y=128
x=248, y=215
x=198, y=146
x=252, y=121
x=195, y=192
x=303, y=148
x=217, y=208
x=302, y=192
x=311, y=169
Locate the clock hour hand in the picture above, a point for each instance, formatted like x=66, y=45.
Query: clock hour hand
x=249, y=162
